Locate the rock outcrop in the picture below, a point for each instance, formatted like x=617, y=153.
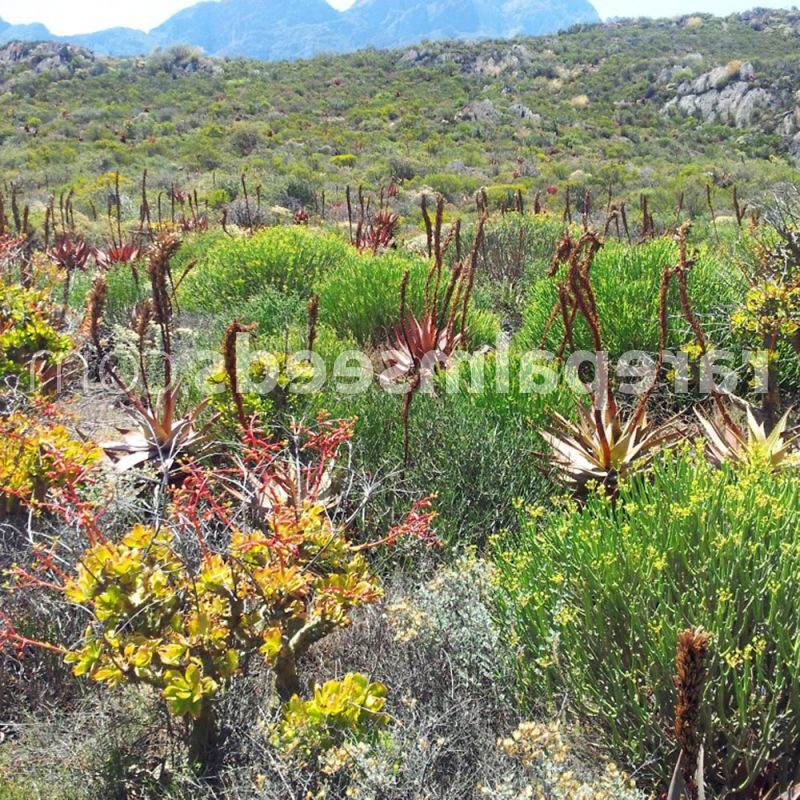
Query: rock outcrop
x=726, y=94
x=733, y=95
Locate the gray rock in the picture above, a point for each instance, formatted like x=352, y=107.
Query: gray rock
x=706, y=104
x=480, y=111
x=687, y=103
x=718, y=77
x=714, y=96
x=523, y=112
x=751, y=104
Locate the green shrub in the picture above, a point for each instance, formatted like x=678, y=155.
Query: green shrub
x=361, y=298
x=454, y=187
x=124, y=292
x=517, y=246
x=339, y=711
x=474, y=450
x=287, y=258
x=595, y=599
x=344, y=160
x=626, y=282
x=503, y=195
x=125, y=289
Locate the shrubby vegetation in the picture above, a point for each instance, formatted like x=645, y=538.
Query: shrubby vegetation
x=593, y=595
x=450, y=116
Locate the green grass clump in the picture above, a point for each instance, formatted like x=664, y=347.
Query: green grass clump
x=626, y=280
x=595, y=598
x=290, y=259
x=361, y=298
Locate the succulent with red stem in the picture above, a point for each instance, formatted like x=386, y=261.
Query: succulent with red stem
x=418, y=347
x=116, y=254
x=70, y=254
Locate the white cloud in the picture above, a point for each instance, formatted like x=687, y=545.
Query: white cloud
x=83, y=16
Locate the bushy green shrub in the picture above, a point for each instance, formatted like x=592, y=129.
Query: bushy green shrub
x=626, y=282
x=361, y=298
x=344, y=160
x=340, y=711
x=124, y=291
x=287, y=258
x=503, y=195
x=595, y=598
x=453, y=186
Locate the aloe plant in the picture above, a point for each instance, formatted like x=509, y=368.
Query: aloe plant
x=160, y=437
x=727, y=442
x=603, y=447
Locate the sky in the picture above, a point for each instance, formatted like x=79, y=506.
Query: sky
x=65, y=17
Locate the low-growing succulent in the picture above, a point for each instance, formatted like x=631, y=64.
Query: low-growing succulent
x=37, y=455
x=160, y=438
x=338, y=711
x=28, y=331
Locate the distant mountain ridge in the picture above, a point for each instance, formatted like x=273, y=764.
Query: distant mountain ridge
x=279, y=30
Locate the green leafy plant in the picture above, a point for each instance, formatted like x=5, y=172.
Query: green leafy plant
x=38, y=455
x=28, y=331
x=602, y=446
x=340, y=710
x=626, y=282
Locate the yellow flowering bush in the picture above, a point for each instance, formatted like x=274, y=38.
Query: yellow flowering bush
x=771, y=308
x=184, y=631
x=593, y=598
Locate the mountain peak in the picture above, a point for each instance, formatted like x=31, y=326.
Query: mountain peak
x=278, y=30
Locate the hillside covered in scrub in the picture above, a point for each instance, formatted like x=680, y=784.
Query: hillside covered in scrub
x=661, y=105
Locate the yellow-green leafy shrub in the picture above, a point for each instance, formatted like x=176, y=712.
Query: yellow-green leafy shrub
x=27, y=330
x=36, y=456
x=340, y=710
x=185, y=606
x=626, y=280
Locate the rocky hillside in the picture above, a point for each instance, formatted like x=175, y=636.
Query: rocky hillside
x=735, y=94
x=669, y=103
